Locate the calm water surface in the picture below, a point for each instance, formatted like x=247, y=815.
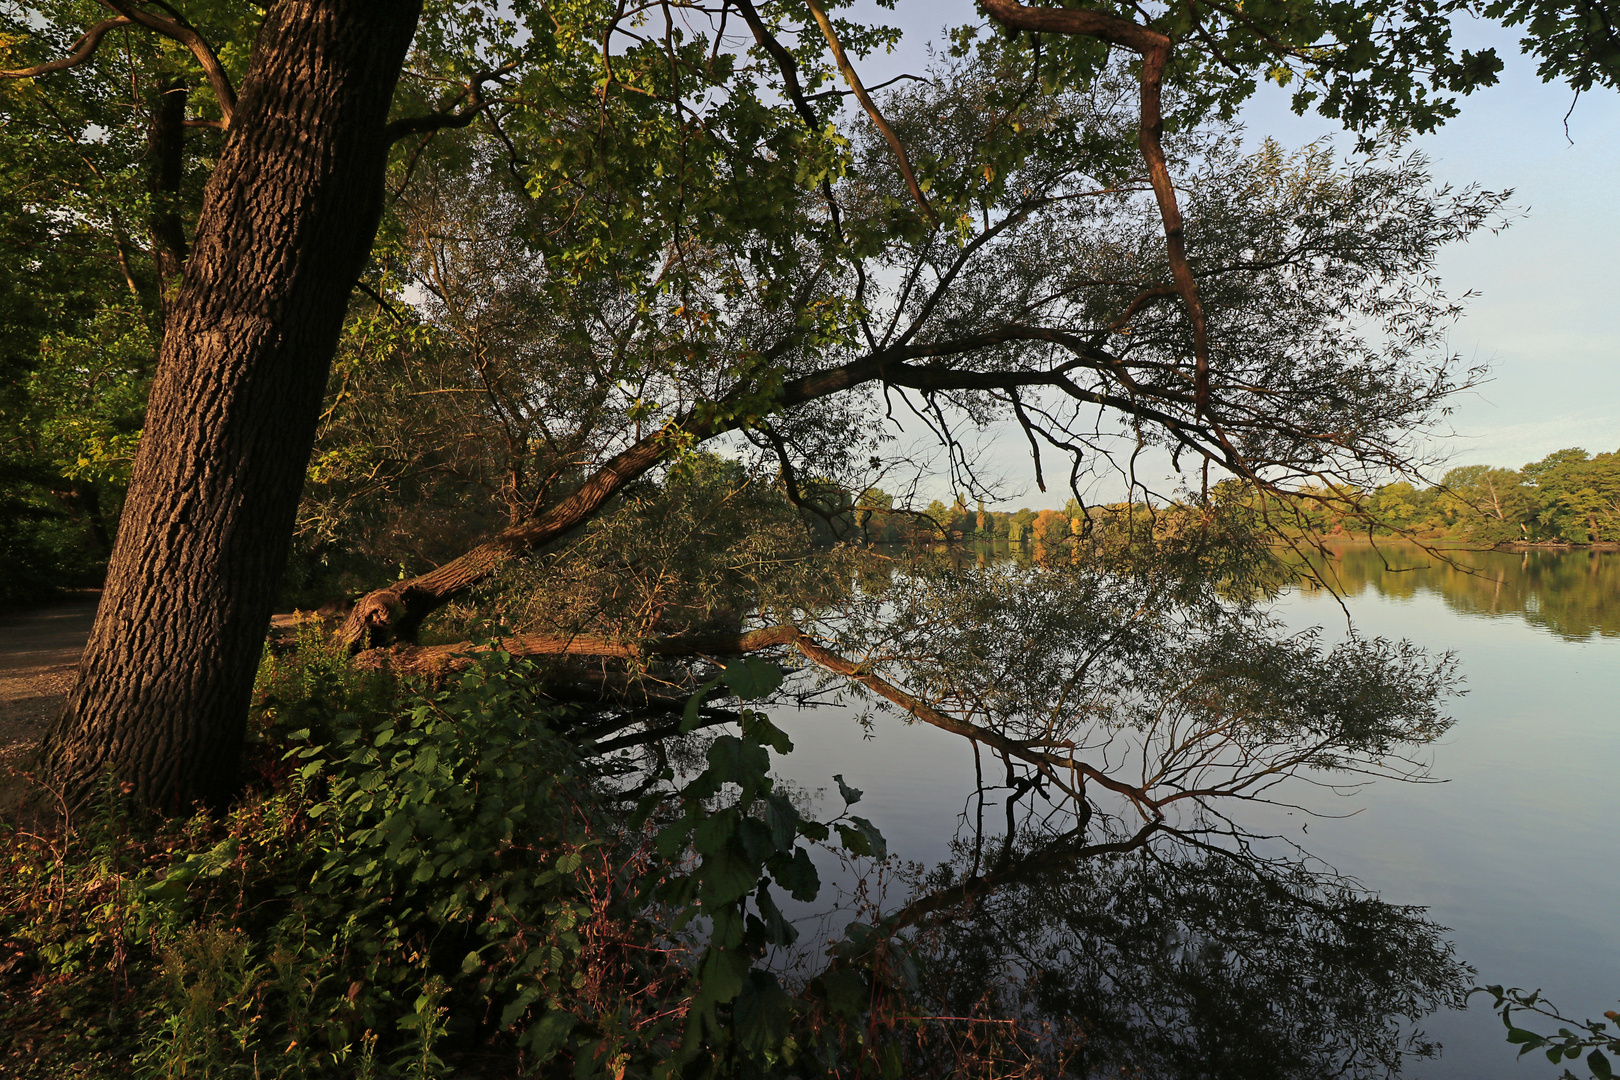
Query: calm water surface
x=1516, y=850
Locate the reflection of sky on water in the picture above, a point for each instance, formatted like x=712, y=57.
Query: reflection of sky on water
x=1514, y=851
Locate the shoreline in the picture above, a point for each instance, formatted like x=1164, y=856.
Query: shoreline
x=1448, y=543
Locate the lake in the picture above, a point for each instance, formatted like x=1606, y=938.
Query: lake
x=1514, y=850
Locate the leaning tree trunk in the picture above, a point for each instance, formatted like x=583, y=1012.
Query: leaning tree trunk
x=288, y=218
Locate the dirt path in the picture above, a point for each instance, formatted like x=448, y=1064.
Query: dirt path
x=39, y=648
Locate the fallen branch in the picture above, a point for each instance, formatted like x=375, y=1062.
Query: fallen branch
x=437, y=660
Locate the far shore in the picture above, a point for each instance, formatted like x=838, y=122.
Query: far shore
x=1451, y=543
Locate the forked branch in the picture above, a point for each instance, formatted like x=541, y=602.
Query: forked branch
x=393, y=613
x=178, y=29
x=1154, y=49
x=449, y=116
x=175, y=28
x=785, y=63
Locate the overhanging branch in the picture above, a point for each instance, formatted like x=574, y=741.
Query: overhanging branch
x=1154, y=48
x=785, y=63
x=393, y=613
x=871, y=108
x=448, y=116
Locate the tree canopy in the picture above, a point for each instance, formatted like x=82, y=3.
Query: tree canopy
x=606, y=237
x=562, y=345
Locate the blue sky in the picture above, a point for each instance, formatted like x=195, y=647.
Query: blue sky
x=1546, y=315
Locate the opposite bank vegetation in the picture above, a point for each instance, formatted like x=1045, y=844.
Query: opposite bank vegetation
x=1570, y=497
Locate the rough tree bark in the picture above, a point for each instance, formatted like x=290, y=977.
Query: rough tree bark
x=288, y=219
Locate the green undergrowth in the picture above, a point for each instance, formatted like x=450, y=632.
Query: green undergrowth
x=432, y=882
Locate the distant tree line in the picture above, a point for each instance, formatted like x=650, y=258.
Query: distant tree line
x=1569, y=496
x=879, y=521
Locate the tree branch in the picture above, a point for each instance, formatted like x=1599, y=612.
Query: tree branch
x=472, y=94
x=82, y=50
x=393, y=613
x=178, y=29
x=441, y=659
x=438, y=660
x=784, y=61
x=1154, y=48
x=1047, y=763
x=871, y=108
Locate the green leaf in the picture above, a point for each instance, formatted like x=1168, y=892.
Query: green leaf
x=777, y=928
x=165, y=890
x=814, y=831
x=644, y=809
x=783, y=820
x=721, y=975
x=672, y=837
x=847, y=993
x=545, y=1037
x=761, y=1014
x=690, y=717
x=751, y=678
x=874, y=840
x=758, y=727
x=726, y=877
x=758, y=840
x=713, y=832
x=741, y=763
x=851, y=795
x=727, y=927
x=798, y=876
x=1599, y=1065
x=519, y=1005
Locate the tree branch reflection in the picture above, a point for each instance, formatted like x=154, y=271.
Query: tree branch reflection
x=1157, y=952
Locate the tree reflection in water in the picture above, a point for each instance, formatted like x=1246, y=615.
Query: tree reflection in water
x=1570, y=593
x=1161, y=954
x=1118, y=922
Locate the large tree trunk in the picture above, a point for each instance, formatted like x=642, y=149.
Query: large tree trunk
x=288, y=219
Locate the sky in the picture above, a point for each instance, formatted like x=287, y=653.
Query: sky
x=1546, y=317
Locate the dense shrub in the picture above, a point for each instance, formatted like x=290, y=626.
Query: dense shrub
x=433, y=882
x=421, y=887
